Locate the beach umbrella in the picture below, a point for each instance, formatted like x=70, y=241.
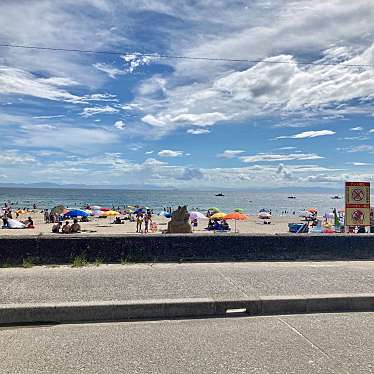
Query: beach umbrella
x=76, y=213
x=110, y=213
x=219, y=215
x=165, y=214
x=236, y=216
x=239, y=210
x=197, y=215
x=312, y=210
x=95, y=207
x=105, y=209
x=59, y=209
x=214, y=209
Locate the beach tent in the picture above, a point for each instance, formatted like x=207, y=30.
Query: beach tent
x=14, y=224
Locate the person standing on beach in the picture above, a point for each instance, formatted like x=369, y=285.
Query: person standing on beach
x=139, y=222
x=147, y=222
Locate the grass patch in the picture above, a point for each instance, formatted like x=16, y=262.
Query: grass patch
x=99, y=261
x=27, y=263
x=79, y=261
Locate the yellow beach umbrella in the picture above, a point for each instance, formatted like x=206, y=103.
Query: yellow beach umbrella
x=111, y=213
x=219, y=215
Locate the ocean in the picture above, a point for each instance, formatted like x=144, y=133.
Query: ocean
x=251, y=202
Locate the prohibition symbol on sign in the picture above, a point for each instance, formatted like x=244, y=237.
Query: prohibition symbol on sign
x=358, y=215
x=358, y=194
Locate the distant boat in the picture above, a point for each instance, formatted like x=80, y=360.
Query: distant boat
x=336, y=197
x=220, y=194
x=292, y=197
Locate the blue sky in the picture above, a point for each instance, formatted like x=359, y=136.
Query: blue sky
x=104, y=119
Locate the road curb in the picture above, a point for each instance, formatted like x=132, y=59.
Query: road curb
x=15, y=314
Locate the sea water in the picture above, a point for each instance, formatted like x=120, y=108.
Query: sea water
x=250, y=202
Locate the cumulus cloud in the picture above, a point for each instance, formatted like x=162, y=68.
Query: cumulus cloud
x=88, y=112
x=198, y=131
x=229, y=153
x=135, y=60
x=189, y=174
x=271, y=157
x=357, y=128
x=170, y=153
x=308, y=134
x=283, y=172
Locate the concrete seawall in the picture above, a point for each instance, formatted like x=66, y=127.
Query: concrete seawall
x=60, y=249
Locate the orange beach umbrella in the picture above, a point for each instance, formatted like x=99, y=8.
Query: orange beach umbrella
x=237, y=217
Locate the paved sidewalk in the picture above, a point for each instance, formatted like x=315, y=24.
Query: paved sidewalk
x=313, y=344
x=218, y=281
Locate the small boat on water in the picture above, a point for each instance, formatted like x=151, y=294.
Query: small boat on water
x=220, y=194
x=291, y=197
x=336, y=197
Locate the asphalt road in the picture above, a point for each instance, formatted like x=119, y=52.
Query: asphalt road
x=325, y=343
x=171, y=281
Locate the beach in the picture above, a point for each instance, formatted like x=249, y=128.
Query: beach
x=105, y=226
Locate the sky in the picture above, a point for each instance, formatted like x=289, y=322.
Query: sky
x=140, y=118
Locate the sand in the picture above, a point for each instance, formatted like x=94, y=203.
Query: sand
x=104, y=226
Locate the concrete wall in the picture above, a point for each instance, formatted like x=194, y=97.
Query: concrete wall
x=62, y=249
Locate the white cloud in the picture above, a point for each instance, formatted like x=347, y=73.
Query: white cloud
x=120, y=125
x=135, y=60
x=270, y=157
x=361, y=148
x=19, y=82
x=170, y=153
x=88, y=112
x=63, y=137
x=198, y=131
x=148, y=152
x=359, y=163
x=358, y=128
x=13, y=158
x=109, y=69
x=229, y=153
x=308, y=134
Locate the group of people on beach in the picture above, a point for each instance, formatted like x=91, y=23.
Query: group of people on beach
x=66, y=228
x=146, y=218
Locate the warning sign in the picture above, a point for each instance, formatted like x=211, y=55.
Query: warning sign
x=357, y=217
x=357, y=204
x=357, y=193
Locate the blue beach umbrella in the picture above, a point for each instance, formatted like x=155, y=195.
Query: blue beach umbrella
x=165, y=214
x=76, y=213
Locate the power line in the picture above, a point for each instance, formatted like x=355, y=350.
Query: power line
x=197, y=58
